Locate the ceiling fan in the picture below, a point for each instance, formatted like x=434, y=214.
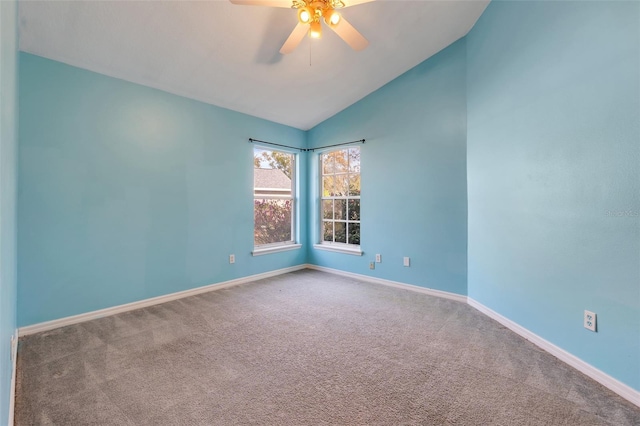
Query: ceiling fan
x=310, y=15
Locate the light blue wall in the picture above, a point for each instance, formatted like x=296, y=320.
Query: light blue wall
x=127, y=192
x=414, y=200
x=553, y=150
x=8, y=142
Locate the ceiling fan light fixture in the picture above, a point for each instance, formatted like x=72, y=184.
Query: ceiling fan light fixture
x=315, y=30
x=310, y=14
x=305, y=15
x=331, y=17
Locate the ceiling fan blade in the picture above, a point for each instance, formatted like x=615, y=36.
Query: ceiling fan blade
x=295, y=38
x=350, y=35
x=348, y=3
x=271, y=3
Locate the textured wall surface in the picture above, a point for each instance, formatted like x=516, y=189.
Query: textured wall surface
x=554, y=174
x=8, y=143
x=128, y=192
x=414, y=200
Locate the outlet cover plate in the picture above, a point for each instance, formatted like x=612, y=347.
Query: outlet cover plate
x=406, y=261
x=378, y=258
x=590, y=322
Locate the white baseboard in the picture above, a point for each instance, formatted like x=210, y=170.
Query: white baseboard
x=604, y=379
x=14, y=370
x=396, y=284
x=75, y=319
x=616, y=386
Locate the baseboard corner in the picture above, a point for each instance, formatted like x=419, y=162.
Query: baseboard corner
x=411, y=287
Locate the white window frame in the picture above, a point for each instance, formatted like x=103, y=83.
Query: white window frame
x=261, y=249
x=353, y=249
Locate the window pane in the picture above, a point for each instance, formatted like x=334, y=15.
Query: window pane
x=354, y=233
x=272, y=177
x=341, y=185
x=354, y=160
x=340, y=189
x=327, y=231
x=354, y=210
x=341, y=160
x=340, y=210
x=327, y=164
x=341, y=232
x=281, y=162
x=327, y=209
x=272, y=221
x=328, y=186
x=354, y=185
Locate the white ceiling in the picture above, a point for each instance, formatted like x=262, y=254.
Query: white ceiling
x=228, y=55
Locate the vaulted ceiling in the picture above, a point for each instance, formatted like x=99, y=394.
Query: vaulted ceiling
x=228, y=55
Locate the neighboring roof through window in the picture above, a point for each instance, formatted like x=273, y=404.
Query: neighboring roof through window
x=270, y=180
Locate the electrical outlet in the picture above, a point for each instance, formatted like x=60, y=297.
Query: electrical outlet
x=232, y=258
x=378, y=258
x=406, y=261
x=372, y=265
x=590, y=321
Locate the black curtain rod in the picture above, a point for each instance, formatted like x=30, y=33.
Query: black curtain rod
x=338, y=144
x=251, y=140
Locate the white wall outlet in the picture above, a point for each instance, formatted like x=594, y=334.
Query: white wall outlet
x=378, y=258
x=232, y=258
x=406, y=261
x=590, y=321
x=372, y=265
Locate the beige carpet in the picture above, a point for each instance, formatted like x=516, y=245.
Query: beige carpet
x=306, y=348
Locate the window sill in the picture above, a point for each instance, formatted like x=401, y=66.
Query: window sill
x=275, y=249
x=353, y=250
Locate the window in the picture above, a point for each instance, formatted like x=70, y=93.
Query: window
x=340, y=196
x=273, y=200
